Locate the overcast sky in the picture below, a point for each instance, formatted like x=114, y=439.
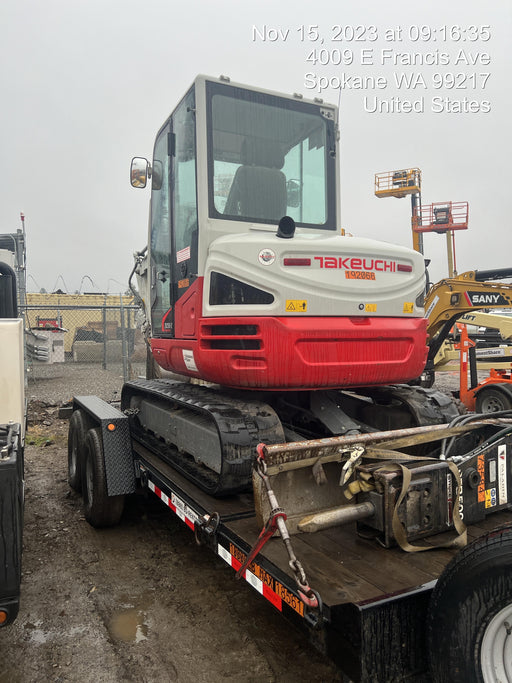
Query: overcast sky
x=86, y=84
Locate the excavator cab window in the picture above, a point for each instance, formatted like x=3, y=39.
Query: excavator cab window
x=173, y=242
x=269, y=157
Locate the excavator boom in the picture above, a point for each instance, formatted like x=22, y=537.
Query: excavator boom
x=451, y=298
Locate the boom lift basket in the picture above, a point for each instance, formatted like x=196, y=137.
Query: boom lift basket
x=398, y=183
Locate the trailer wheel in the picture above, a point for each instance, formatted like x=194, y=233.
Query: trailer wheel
x=76, y=449
x=493, y=399
x=469, y=624
x=100, y=509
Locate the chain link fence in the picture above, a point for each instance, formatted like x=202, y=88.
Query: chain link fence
x=89, y=347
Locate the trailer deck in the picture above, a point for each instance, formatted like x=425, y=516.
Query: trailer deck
x=362, y=585
x=372, y=601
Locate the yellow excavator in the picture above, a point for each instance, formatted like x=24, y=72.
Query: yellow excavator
x=450, y=299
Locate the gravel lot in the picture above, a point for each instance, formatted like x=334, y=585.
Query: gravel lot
x=55, y=384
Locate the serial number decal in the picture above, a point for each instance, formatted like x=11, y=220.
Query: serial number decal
x=261, y=580
x=289, y=598
x=359, y=275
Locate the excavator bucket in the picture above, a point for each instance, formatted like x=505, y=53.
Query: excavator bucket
x=311, y=478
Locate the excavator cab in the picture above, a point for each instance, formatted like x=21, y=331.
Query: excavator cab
x=247, y=279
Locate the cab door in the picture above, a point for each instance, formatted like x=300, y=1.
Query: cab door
x=162, y=324
x=173, y=216
x=184, y=226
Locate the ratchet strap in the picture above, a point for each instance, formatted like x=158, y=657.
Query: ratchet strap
x=399, y=531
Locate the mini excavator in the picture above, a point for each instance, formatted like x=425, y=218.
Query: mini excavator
x=250, y=285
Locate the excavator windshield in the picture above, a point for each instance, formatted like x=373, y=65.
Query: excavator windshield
x=269, y=157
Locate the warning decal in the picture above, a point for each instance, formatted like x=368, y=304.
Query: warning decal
x=481, y=483
x=490, y=498
x=183, y=255
x=188, y=359
x=296, y=305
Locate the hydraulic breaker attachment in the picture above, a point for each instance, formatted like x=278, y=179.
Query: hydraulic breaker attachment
x=394, y=496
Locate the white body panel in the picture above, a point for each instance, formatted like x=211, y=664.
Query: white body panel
x=323, y=285
x=12, y=378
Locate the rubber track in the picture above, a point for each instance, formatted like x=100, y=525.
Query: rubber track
x=241, y=426
x=427, y=406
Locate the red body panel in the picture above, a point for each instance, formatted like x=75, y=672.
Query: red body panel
x=289, y=353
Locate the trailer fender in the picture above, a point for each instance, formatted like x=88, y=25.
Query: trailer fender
x=115, y=440
x=100, y=509
x=469, y=625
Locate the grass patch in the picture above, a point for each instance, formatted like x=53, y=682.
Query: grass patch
x=41, y=436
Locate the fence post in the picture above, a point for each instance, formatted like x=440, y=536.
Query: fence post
x=123, y=338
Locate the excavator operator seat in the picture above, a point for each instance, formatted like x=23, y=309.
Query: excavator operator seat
x=259, y=186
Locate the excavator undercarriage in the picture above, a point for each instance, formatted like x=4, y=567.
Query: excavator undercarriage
x=210, y=435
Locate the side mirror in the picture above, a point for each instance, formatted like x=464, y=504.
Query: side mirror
x=140, y=171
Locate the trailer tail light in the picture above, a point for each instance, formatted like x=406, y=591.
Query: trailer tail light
x=296, y=262
x=403, y=268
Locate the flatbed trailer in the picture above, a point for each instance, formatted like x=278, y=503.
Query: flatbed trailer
x=374, y=606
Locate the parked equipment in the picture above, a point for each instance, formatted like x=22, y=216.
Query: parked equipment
x=248, y=283
x=452, y=298
x=304, y=462
x=491, y=395
x=12, y=427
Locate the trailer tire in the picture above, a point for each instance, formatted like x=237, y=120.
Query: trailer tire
x=100, y=509
x=76, y=449
x=469, y=625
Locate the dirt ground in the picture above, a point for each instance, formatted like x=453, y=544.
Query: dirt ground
x=139, y=602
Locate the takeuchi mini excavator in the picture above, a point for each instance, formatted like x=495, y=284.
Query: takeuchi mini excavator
x=249, y=283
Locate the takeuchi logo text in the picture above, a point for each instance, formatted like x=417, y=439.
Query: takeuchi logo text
x=353, y=263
